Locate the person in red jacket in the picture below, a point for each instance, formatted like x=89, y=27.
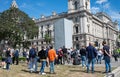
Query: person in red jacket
x=52, y=55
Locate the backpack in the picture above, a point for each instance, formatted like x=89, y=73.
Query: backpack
x=76, y=61
x=32, y=53
x=60, y=53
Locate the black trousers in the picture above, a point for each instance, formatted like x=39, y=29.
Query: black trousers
x=15, y=58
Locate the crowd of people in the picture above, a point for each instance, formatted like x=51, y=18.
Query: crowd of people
x=49, y=57
x=9, y=57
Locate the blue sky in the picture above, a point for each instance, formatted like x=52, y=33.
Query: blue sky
x=36, y=8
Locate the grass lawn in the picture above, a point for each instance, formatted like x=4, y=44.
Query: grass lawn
x=60, y=70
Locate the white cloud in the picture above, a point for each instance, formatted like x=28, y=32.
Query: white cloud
x=27, y=6
x=115, y=15
x=40, y=4
x=101, y=1
x=95, y=9
x=23, y=5
x=107, y=5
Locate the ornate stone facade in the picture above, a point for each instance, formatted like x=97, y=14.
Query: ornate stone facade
x=87, y=27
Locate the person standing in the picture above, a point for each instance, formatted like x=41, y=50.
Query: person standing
x=51, y=56
x=107, y=56
x=99, y=56
x=83, y=55
x=42, y=54
x=33, y=59
x=115, y=54
x=64, y=54
x=8, y=59
x=3, y=56
x=91, y=55
x=60, y=55
x=47, y=62
x=16, y=56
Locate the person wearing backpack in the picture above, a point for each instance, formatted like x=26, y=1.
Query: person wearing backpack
x=33, y=59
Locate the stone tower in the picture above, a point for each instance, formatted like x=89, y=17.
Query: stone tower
x=78, y=5
x=14, y=4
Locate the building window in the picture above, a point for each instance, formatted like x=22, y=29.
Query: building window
x=37, y=43
x=76, y=38
x=42, y=34
x=41, y=42
x=80, y=37
x=49, y=32
x=76, y=19
x=41, y=27
x=88, y=29
x=48, y=26
x=77, y=46
x=76, y=28
x=88, y=20
x=76, y=5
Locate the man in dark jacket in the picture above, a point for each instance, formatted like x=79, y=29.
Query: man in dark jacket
x=64, y=50
x=33, y=59
x=16, y=56
x=91, y=55
x=83, y=55
x=42, y=54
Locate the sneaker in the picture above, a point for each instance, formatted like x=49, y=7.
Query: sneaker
x=109, y=71
x=105, y=72
x=31, y=71
x=52, y=73
x=43, y=73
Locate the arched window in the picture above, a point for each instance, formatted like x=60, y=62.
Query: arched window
x=76, y=29
x=42, y=34
x=41, y=27
x=76, y=5
x=77, y=46
x=88, y=28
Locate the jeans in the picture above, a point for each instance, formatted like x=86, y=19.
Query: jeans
x=107, y=63
x=15, y=58
x=51, y=66
x=83, y=60
x=33, y=64
x=7, y=66
x=99, y=59
x=65, y=58
x=93, y=62
x=8, y=62
x=43, y=64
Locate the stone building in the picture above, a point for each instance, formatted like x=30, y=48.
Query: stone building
x=87, y=27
